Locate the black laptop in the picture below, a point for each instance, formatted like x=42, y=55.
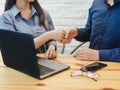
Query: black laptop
x=19, y=53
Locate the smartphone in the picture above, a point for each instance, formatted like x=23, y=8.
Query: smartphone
x=93, y=67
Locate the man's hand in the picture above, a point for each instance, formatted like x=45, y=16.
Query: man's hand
x=87, y=54
x=110, y=2
x=70, y=34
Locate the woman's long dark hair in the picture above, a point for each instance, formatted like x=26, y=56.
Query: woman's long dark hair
x=41, y=15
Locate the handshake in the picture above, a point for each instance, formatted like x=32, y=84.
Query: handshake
x=64, y=35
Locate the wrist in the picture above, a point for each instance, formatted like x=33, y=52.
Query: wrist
x=51, y=46
x=75, y=32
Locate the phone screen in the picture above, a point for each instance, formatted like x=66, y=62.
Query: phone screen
x=93, y=67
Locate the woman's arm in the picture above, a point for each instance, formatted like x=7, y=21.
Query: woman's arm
x=51, y=35
x=50, y=27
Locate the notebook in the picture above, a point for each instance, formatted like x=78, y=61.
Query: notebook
x=19, y=53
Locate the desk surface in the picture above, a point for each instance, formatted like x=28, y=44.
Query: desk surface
x=109, y=78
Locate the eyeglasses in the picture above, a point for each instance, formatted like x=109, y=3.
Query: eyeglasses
x=88, y=74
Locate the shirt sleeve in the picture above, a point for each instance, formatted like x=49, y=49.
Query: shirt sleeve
x=6, y=23
x=116, y=2
x=84, y=33
x=50, y=27
x=110, y=55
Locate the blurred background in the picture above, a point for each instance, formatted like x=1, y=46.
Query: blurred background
x=65, y=14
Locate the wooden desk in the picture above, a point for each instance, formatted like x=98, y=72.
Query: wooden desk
x=109, y=78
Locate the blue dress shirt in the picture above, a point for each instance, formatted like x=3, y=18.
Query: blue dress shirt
x=13, y=20
x=103, y=30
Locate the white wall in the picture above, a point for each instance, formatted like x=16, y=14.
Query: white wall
x=68, y=13
x=65, y=13
x=2, y=2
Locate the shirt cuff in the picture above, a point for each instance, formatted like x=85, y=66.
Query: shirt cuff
x=79, y=32
x=104, y=55
x=116, y=2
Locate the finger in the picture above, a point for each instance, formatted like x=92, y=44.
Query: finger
x=84, y=57
x=61, y=38
x=50, y=54
x=54, y=54
x=47, y=54
x=69, y=40
x=63, y=33
x=76, y=54
x=64, y=41
x=60, y=41
x=67, y=34
x=79, y=52
x=79, y=58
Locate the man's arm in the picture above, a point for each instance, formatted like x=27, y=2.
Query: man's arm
x=84, y=33
x=80, y=34
x=110, y=55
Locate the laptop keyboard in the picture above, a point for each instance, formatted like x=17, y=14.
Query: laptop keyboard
x=44, y=70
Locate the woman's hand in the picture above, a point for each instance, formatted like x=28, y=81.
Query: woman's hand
x=51, y=52
x=87, y=54
x=57, y=35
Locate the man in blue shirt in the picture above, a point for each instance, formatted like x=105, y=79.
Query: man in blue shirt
x=102, y=30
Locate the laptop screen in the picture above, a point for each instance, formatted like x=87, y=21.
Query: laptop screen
x=18, y=52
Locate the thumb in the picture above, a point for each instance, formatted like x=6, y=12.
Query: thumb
x=67, y=34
